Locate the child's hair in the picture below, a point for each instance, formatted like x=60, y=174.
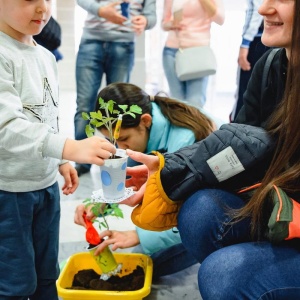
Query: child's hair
x=178, y=113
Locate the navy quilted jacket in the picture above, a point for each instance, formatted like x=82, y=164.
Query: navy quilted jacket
x=239, y=153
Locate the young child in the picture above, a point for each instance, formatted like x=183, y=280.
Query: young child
x=31, y=153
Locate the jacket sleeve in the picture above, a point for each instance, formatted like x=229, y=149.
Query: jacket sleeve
x=91, y=6
x=149, y=11
x=229, y=158
x=252, y=23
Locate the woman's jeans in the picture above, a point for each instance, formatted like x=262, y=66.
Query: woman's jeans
x=191, y=91
x=29, y=231
x=232, y=266
x=95, y=58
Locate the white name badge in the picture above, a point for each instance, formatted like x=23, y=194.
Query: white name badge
x=225, y=164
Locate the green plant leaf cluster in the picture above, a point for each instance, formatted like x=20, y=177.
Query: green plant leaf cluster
x=97, y=119
x=102, y=211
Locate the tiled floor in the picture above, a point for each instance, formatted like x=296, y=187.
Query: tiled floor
x=182, y=285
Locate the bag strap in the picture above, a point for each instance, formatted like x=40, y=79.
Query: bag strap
x=277, y=190
x=267, y=67
x=249, y=188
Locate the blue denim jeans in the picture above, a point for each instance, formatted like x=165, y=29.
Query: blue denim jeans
x=232, y=266
x=29, y=231
x=192, y=91
x=95, y=58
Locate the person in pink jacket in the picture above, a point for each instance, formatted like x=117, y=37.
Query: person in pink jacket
x=188, y=23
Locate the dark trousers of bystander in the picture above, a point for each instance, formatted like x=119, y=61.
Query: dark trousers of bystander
x=256, y=50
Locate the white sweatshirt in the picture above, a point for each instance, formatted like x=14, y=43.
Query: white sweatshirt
x=30, y=148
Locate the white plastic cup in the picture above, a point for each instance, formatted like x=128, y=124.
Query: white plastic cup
x=113, y=176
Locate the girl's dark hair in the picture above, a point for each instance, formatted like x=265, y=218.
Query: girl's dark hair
x=178, y=113
x=284, y=124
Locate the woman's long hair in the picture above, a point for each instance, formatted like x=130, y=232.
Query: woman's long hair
x=178, y=113
x=284, y=170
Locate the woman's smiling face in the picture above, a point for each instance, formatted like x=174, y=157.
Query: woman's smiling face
x=278, y=22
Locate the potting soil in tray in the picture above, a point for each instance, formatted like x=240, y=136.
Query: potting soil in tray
x=90, y=280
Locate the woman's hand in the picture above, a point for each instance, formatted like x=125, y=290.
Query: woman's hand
x=139, y=175
x=171, y=25
x=118, y=239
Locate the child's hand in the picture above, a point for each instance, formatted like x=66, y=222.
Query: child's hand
x=139, y=23
x=118, y=239
x=92, y=150
x=71, y=179
x=81, y=209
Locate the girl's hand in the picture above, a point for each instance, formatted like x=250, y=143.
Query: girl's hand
x=118, y=239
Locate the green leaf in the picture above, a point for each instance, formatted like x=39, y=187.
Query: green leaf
x=116, y=112
x=95, y=210
x=135, y=109
x=107, y=120
x=94, y=122
x=131, y=114
x=96, y=115
x=101, y=102
x=89, y=130
x=85, y=116
x=123, y=107
x=118, y=213
x=110, y=105
x=103, y=224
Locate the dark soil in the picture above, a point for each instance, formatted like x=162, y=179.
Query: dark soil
x=90, y=280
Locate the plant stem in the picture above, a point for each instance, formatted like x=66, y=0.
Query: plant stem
x=102, y=211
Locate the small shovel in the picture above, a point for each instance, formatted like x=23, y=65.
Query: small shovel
x=91, y=235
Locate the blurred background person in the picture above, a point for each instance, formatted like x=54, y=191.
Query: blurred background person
x=50, y=38
x=188, y=23
x=106, y=47
x=251, y=50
